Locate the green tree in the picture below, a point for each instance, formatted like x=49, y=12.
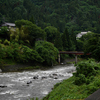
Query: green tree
x=32, y=30
x=2, y=52
x=58, y=41
x=22, y=54
x=51, y=33
x=82, y=40
x=19, y=36
x=67, y=43
x=32, y=19
x=86, y=70
x=47, y=51
x=92, y=45
x=79, y=45
x=20, y=23
x=4, y=32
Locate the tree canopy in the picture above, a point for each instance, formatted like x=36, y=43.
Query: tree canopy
x=32, y=30
x=77, y=14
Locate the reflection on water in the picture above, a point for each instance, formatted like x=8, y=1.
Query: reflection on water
x=28, y=84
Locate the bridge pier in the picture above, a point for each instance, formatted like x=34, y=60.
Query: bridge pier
x=72, y=52
x=59, y=58
x=75, y=59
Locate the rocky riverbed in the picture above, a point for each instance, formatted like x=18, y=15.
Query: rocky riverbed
x=28, y=84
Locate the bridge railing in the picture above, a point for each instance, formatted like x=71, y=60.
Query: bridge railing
x=73, y=52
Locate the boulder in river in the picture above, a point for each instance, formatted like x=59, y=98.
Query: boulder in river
x=54, y=76
x=43, y=77
x=35, y=77
x=29, y=82
x=2, y=86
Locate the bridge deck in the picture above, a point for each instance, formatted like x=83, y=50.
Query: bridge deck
x=73, y=52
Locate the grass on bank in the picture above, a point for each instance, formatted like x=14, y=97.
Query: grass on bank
x=70, y=89
x=66, y=90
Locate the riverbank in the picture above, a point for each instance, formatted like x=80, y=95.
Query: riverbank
x=68, y=90
x=11, y=66
x=71, y=60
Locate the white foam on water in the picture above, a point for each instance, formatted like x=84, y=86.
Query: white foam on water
x=44, y=92
x=21, y=95
x=20, y=79
x=10, y=85
x=9, y=92
x=40, y=86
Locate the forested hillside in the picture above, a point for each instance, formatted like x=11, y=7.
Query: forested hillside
x=55, y=23
x=45, y=27
x=79, y=15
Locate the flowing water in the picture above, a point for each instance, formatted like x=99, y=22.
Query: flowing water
x=27, y=84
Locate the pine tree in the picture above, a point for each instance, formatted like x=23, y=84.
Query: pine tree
x=65, y=40
x=58, y=42
x=73, y=40
x=32, y=19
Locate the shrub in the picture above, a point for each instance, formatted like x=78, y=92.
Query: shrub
x=86, y=68
x=85, y=71
x=37, y=98
x=56, y=85
x=80, y=79
x=2, y=52
x=31, y=55
x=9, y=52
x=6, y=42
x=47, y=51
x=97, y=83
x=0, y=41
x=21, y=53
x=88, y=80
x=92, y=88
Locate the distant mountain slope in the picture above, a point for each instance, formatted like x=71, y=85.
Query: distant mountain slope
x=79, y=15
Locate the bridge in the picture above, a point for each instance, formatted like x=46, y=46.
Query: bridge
x=71, y=52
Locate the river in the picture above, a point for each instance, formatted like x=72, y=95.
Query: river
x=37, y=83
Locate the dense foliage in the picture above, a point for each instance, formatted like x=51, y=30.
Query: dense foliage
x=77, y=14
x=19, y=53
x=85, y=71
x=26, y=44
x=93, y=45
x=31, y=31
x=47, y=51
x=68, y=90
x=43, y=28
x=53, y=17
x=51, y=33
x=89, y=43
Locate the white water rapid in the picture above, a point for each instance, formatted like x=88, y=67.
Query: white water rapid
x=27, y=84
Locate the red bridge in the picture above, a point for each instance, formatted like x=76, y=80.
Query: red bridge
x=72, y=52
